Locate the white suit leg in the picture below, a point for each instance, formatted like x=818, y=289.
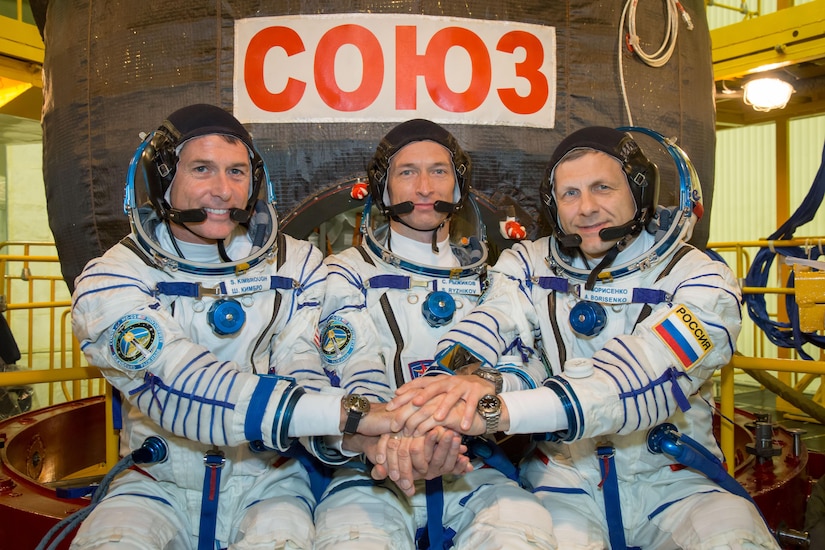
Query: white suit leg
x=135, y=522
x=489, y=512
x=708, y=521
x=283, y=523
x=578, y=517
x=363, y=516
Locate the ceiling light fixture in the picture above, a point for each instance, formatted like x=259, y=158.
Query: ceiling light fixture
x=765, y=94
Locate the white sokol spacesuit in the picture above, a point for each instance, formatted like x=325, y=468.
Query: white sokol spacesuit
x=215, y=356
x=631, y=345
x=388, y=302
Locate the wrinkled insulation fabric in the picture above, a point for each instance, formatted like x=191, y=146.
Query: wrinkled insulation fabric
x=114, y=69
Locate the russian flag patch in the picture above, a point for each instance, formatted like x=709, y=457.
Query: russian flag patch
x=684, y=334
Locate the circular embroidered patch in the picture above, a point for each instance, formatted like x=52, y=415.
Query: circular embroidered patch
x=337, y=340
x=136, y=342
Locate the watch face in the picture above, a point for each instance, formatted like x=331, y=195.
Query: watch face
x=489, y=404
x=357, y=403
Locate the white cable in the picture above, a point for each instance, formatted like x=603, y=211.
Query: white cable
x=619, y=51
x=661, y=56
x=807, y=263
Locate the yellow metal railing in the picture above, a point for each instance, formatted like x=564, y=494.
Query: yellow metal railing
x=758, y=362
x=36, y=304
x=726, y=390
x=740, y=7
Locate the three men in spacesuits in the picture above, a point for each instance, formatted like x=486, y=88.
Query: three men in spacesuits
x=199, y=318
x=633, y=322
x=420, y=268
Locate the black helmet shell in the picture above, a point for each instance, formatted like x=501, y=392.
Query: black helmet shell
x=160, y=157
x=409, y=132
x=642, y=174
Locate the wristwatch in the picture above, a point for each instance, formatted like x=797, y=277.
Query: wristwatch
x=489, y=407
x=491, y=374
x=356, y=407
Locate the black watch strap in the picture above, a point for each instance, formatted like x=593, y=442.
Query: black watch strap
x=356, y=407
x=353, y=419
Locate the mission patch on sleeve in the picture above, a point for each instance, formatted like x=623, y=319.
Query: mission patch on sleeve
x=136, y=342
x=337, y=340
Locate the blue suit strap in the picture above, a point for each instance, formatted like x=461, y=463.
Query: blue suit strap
x=493, y=455
x=276, y=282
x=388, y=281
x=435, y=513
x=117, y=409
x=666, y=439
x=320, y=475
x=638, y=295
x=650, y=296
x=75, y=492
x=610, y=490
x=559, y=284
x=213, y=462
x=190, y=290
x=196, y=290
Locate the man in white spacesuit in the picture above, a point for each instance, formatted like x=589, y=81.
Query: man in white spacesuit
x=633, y=323
x=204, y=319
x=420, y=268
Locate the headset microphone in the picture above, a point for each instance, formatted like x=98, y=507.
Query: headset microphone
x=631, y=228
x=198, y=215
x=570, y=241
x=406, y=207
x=239, y=215
x=607, y=234
x=186, y=216
x=445, y=207
x=401, y=208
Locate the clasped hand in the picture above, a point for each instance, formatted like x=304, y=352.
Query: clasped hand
x=405, y=458
x=448, y=401
x=417, y=435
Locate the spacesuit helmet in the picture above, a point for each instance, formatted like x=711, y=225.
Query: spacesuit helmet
x=466, y=231
x=150, y=176
x=642, y=177
x=401, y=136
x=670, y=224
x=160, y=157
x=467, y=240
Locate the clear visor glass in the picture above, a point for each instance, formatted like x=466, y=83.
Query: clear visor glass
x=680, y=193
x=262, y=225
x=467, y=237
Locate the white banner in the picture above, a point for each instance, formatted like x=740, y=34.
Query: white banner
x=392, y=67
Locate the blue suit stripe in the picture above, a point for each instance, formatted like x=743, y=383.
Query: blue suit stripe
x=139, y=287
x=731, y=344
x=178, y=402
x=571, y=406
x=472, y=320
x=348, y=275
x=614, y=370
x=257, y=407
x=559, y=490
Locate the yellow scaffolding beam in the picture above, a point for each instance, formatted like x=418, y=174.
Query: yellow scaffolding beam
x=785, y=37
